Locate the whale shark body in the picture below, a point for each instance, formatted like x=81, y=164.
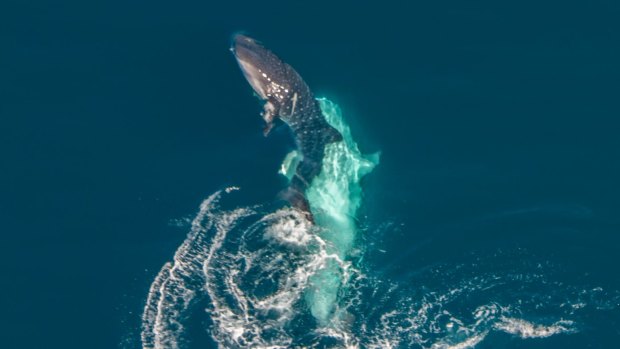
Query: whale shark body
x=288, y=98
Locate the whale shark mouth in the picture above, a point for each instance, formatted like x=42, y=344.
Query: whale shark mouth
x=253, y=75
x=259, y=65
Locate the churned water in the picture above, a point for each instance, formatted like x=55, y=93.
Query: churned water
x=272, y=279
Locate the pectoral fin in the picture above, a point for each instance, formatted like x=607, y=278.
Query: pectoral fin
x=267, y=129
x=269, y=114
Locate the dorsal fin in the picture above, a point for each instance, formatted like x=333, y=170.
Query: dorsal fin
x=332, y=135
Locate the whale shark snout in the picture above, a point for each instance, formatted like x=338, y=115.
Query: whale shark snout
x=260, y=67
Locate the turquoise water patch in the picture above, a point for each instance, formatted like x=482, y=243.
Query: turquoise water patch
x=335, y=196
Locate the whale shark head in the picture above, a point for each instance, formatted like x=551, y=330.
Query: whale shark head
x=260, y=67
x=273, y=81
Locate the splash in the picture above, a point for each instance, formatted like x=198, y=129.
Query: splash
x=257, y=268
x=265, y=277
x=335, y=196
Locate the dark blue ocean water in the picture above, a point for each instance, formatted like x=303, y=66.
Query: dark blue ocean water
x=491, y=221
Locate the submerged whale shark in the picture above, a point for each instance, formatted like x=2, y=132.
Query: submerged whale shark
x=288, y=98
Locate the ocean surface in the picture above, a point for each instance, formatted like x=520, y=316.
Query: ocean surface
x=473, y=203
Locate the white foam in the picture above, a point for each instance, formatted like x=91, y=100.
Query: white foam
x=292, y=232
x=467, y=343
x=256, y=269
x=259, y=321
x=527, y=329
x=178, y=283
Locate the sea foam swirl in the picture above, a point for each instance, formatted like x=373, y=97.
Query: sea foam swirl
x=265, y=277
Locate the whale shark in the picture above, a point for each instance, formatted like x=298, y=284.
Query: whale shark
x=287, y=97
